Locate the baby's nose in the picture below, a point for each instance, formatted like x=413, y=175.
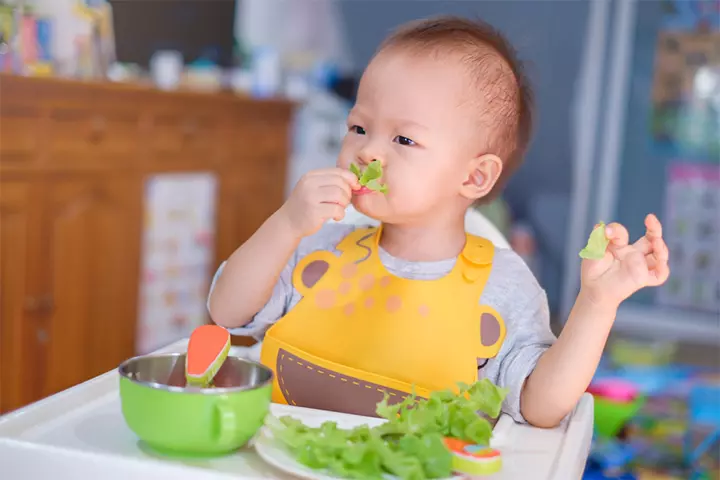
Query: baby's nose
x=370, y=152
x=364, y=159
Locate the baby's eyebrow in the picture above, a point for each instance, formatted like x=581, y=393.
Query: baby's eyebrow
x=403, y=122
x=398, y=122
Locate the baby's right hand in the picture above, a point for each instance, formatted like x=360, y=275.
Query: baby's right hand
x=319, y=196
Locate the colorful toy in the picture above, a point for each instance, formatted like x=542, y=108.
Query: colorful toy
x=473, y=459
x=704, y=411
x=616, y=402
x=610, y=458
x=207, y=350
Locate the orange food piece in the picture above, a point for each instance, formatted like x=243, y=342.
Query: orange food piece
x=207, y=350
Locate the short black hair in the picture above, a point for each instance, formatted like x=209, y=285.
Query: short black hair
x=499, y=72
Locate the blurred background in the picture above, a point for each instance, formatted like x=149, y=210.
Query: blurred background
x=142, y=141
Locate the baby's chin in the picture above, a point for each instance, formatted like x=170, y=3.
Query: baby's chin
x=371, y=205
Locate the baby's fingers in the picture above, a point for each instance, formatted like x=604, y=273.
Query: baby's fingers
x=659, y=268
x=332, y=211
x=659, y=274
x=617, y=234
x=654, y=227
x=660, y=250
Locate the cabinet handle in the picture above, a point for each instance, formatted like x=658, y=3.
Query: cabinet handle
x=42, y=335
x=42, y=304
x=98, y=129
x=190, y=128
x=32, y=304
x=47, y=303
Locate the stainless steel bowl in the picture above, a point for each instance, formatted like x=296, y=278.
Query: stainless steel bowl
x=175, y=419
x=167, y=372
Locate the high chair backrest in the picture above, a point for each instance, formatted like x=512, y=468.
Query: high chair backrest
x=475, y=224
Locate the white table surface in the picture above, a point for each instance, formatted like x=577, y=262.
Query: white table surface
x=80, y=434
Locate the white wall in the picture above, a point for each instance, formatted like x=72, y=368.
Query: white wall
x=294, y=26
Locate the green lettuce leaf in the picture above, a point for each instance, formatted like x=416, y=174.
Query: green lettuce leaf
x=409, y=445
x=597, y=244
x=370, y=177
x=354, y=169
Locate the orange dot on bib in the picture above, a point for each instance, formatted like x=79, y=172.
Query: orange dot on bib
x=366, y=282
x=344, y=288
x=393, y=304
x=325, y=299
x=349, y=270
x=424, y=310
x=349, y=309
x=369, y=302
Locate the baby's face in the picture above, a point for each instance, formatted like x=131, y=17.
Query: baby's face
x=415, y=115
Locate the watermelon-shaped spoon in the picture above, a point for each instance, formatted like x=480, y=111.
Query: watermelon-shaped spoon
x=207, y=350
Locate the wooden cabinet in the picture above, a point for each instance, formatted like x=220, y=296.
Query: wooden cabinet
x=74, y=159
x=19, y=287
x=92, y=230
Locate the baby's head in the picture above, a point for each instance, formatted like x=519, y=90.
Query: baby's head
x=445, y=107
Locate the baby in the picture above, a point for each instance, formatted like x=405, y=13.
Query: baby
x=350, y=314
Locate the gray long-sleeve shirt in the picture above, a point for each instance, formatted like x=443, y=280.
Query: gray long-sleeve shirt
x=511, y=290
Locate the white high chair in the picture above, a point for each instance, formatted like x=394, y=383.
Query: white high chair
x=475, y=224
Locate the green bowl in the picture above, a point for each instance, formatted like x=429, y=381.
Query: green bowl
x=175, y=419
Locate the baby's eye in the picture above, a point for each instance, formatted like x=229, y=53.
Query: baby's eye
x=404, y=141
x=357, y=129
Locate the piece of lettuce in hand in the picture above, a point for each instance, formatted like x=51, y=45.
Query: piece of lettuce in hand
x=597, y=244
x=356, y=170
x=370, y=177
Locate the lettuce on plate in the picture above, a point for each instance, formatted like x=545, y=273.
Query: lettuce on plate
x=409, y=445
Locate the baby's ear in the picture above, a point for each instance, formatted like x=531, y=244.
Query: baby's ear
x=483, y=172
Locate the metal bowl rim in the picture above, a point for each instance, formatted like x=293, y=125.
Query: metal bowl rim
x=195, y=390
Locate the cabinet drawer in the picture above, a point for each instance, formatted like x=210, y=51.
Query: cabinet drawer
x=260, y=135
x=20, y=133
x=183, y=135
x=85, y=137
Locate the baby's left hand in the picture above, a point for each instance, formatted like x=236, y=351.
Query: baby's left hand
x=626, y=268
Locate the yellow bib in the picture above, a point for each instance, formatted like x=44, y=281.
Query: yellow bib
x=360, y=331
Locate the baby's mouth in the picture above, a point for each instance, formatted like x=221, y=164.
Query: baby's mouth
x=363, y=191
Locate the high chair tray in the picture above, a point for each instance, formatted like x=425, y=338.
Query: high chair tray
x=80, y=433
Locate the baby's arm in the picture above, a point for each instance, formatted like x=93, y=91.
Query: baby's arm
x=251, y=272
x=565, y=370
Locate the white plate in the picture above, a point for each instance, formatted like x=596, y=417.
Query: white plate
x=274, y=453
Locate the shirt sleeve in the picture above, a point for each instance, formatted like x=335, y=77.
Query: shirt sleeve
x=284, y=296
x=531, y=338
x=274, y=309
x=515, y=293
